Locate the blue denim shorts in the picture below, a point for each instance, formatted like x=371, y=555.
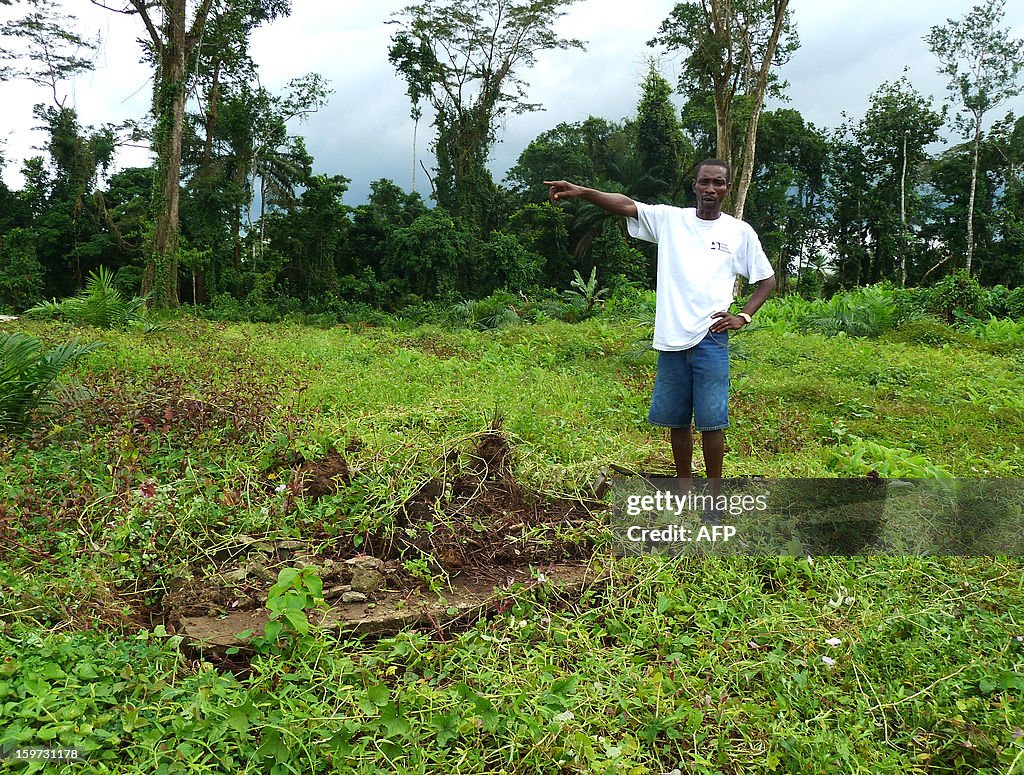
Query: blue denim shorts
x=692, y=386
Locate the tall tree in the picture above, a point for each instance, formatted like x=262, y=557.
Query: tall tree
x=998, y=204
x=983, y=64
x=224, y=57
x=846, y=192
x=897, y=127
x=733, y=45
x=175, y=28
x=311, y=236
x=79, y=157
x=580, y=151
x=663, y=151
x=465, y=59
x=786, y=199
x=53, y=51
x=1007, y=137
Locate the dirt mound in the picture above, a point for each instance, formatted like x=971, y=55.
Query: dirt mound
x=485, y=517
x=317, y=478
x=493, y=455
x=478, y=528
x=311, y=479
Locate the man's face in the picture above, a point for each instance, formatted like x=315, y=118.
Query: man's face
x=711, y=186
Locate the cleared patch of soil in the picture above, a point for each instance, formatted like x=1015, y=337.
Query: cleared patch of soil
x=481, y=530
x=433, y=345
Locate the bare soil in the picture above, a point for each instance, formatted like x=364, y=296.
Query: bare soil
x=480, y=532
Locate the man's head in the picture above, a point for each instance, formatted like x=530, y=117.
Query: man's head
x=711, y=185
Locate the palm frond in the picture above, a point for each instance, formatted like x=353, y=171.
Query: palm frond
x=27, y=374
x=99, y=304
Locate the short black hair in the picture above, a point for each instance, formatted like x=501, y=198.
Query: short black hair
x=714, y=163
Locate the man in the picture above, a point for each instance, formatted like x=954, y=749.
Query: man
x=700, y=252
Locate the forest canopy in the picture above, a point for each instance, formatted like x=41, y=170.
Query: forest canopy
x=230, y=215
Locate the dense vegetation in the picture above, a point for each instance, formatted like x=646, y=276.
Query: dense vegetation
x=258, y=236
x=121, y=501
x=437, y=385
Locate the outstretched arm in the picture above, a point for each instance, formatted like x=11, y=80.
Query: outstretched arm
x=616, y=204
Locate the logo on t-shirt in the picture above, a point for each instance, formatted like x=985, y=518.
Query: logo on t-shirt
x=722, y=246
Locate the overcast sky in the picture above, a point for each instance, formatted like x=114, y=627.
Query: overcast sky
x=847, y=50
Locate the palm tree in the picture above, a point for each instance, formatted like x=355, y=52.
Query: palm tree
x=280, y=171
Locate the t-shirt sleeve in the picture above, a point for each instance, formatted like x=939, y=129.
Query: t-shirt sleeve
x=647, y=223
x=755, y=265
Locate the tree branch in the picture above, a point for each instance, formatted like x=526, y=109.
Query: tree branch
x=140, y=8
x=199, y=22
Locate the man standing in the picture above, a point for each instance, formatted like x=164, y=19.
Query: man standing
x=700, y=252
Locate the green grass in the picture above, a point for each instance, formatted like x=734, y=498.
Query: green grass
x=714, y=665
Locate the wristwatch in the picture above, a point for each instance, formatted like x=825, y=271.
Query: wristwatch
x=743, y=315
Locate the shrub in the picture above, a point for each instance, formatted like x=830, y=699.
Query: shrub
x=615, y=256
x=958, y=293
x=223, y=306
x=997, y=331
x=27, y=374
x=128, y=280
x=910, y=304
x=810, y=285
x=860, y=457
x=856, y=456
x=499, y=310
x=787, y=313
x=863, y=312
x=996, y=302
x=429, y=256
x=1014, y=304
x=928, y=331
x=502, y=262
x=630, y=302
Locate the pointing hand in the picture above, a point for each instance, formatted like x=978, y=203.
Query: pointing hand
x=562, y=189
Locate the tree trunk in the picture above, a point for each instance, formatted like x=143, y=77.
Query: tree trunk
x=750, y=142
x=173, y=43
x=211, y=115
x=263, y=215
x=415, y=127
x=903, y=217
x=720, y=29
x=161, y=276
x=974, y=189
x=723, y=128
x=237, y=237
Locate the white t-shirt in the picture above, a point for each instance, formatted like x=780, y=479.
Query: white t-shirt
x=698, y=262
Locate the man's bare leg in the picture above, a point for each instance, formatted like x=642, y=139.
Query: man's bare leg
x=713, y=444
x=682, y=454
